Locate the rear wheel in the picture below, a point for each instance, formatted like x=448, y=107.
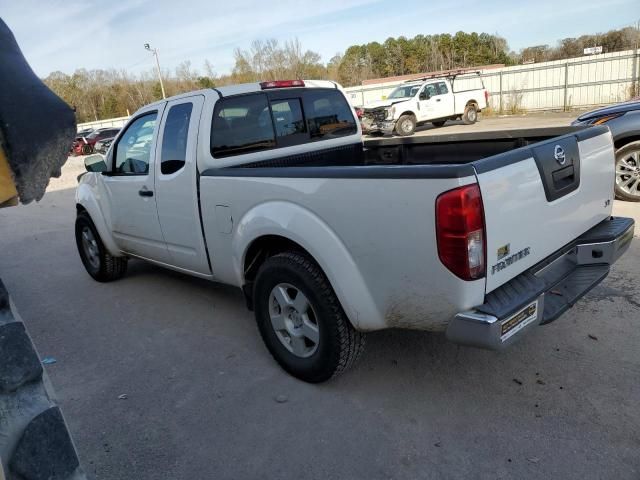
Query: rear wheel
x=98, y=262
x=627, y=186
x=406, y=125
x=439, y=123
x=301, y=321
x=87, y=149
x=470, y=114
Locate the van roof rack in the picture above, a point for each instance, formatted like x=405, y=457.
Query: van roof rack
x=446, y=74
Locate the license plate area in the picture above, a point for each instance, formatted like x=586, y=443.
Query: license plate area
x=518, y=321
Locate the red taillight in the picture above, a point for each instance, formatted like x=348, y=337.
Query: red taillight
x=460, y=232
x=281, y=84
x=486, y=96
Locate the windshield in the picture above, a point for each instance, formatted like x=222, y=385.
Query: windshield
x=404, y=91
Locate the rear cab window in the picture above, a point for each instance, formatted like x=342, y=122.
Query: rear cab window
x=270, y=120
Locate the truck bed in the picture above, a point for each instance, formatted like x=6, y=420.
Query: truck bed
x=446, y=154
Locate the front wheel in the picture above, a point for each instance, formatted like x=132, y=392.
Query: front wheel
x=98, y=262
x=406, y=125
x=627, y=186
x=470, y=114
x=301, y=320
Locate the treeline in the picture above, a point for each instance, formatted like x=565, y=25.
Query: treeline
x=98, y=94
x=613, y=41
x=423, y=53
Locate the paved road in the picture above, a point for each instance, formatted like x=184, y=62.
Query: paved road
x=201, y=388
x=550, y=119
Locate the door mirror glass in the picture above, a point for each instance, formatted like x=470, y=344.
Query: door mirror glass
x=95, y=163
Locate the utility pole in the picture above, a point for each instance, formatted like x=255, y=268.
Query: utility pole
x=155, y=54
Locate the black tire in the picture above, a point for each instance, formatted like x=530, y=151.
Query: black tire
x=627, y=183
x=339, y=344
x=406, y=125
x=470, y=114
x=102, y=266
x=377, y=133
x=439, y=123
x=87, y=149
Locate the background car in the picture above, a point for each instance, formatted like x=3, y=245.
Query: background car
x=85, y=145
x=84, y=133
x=623, y=119
x=103, y=145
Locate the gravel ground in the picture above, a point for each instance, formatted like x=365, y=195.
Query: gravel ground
x=205, y=400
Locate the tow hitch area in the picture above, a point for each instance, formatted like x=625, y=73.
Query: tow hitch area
x=544, y=292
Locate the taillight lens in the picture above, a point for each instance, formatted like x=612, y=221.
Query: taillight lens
x=460, y=232
x=486, y=96
x=281, y=84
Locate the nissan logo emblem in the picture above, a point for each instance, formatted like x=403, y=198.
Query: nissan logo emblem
x=558, y=154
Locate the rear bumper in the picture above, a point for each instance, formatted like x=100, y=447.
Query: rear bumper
x=544, y=292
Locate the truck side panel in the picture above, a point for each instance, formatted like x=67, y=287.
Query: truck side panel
x=382, y=267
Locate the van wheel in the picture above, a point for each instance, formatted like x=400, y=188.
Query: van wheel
x=301, y=320
x=98, y=262
x=627, y=186
x=470, y=114
x=406, y=125
x=439, y=123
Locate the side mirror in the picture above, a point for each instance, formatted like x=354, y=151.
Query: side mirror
x=424, y=95
x=95, y=163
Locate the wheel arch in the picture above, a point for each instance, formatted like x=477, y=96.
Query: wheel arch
x=86, y=202
x=408, y=112
x=275, y=227
x=627, y=139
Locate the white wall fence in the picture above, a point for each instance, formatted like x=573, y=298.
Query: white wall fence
x=109, y=122
x=559, y=85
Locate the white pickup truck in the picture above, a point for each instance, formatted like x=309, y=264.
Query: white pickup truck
x=268, y=187
x=434, y=99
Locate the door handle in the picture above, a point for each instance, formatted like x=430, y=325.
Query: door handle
x=437, y=99
x=145, y=193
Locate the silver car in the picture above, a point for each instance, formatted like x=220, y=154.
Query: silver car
x=623, y=119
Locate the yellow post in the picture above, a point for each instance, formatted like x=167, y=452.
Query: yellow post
x=8, y=192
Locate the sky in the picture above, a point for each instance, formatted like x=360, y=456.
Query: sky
x=64, y=35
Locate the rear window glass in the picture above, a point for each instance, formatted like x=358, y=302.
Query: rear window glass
x=256, y=122
x=328, y=114
x=287, y=117
x=240, y=125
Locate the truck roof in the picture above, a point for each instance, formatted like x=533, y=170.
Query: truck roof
x=244, y=88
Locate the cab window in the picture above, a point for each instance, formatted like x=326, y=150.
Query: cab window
x=442, y=88
x=240, y=125
x=430, y=89
x=174, y=139
x=132, y=153
x=328, y=114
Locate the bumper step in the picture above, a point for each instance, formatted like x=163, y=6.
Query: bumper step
x=565, y=294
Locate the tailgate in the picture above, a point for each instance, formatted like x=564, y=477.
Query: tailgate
x=539, y=198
